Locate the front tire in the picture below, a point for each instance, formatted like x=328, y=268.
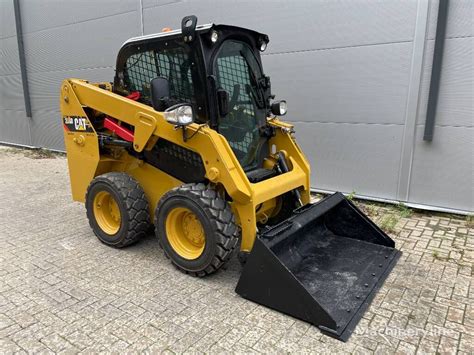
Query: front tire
x=196, y=228
x=117, y=209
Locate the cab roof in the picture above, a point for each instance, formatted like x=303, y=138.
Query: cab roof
x=200, y=29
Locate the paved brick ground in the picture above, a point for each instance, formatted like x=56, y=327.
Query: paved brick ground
x=61, y=290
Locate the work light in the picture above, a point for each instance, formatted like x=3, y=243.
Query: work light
x=279, y=108
x=180, y=115
x=214, y=36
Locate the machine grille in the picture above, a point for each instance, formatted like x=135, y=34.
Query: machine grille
x=179, y=162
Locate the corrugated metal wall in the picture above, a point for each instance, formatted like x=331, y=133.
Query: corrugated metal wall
x=443, y=170
x=356, y=74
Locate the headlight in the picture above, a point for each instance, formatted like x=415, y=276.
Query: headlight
x=279, y=108
x=180, y=114
x=263, y=46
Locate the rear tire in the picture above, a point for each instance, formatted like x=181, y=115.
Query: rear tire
x=196, y=229
x=117, y=209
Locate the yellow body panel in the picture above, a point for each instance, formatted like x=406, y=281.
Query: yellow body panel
x=221, y=165
x=82, y=147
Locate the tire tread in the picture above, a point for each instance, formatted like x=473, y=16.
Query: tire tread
x=135, y=201
x=220, y=216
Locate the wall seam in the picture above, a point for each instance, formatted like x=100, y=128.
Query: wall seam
x=362, y=45
x=74, y=23
x=413, y=98
x=142, y=24
x=57, y=71
x=336, y=48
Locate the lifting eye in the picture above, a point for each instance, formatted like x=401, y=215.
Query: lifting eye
x=188, y=27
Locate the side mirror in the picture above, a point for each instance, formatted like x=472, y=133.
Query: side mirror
x=160, y=93
x=223, y=102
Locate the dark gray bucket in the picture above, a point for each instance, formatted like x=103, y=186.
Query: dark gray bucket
x=323, y=265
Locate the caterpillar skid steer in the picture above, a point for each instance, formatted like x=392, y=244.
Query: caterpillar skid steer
x=187, y=138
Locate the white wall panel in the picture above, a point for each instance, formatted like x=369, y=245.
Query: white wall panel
x=460, y=19
x=298, y=25
x=11, y=93
x=85, y=10
x=352, y=157
x=44, y=86
x=39, y=15
x=46, y=126
x=84, y=45
x=7, y=19
x=456, y=95
x=47, y=129
x=443, y=170
x=14, y=127
x=366, y=84
x=155, y=3
x=9, y=62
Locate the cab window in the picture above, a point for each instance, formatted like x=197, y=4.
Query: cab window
x=173, y=64
x=237, y=72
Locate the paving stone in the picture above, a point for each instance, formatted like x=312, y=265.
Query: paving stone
x=467, y=343
x=455, y=315
x=447, y=345
x=5, y=321
x=63, y=291
x=9, y=346
x=406, y=348
x=55, y=342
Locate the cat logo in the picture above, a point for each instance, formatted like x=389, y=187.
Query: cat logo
x=80, y=123
x=77, y=124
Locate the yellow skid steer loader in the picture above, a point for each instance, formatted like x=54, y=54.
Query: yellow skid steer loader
x=187, y=138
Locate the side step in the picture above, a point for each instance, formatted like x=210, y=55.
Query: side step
x=323, y=265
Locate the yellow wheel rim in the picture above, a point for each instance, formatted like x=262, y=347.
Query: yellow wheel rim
x=278, y=206
x=107, y=212
x=185, y=233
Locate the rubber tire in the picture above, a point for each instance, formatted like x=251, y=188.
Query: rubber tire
x=133, y=205
x=218, y=222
